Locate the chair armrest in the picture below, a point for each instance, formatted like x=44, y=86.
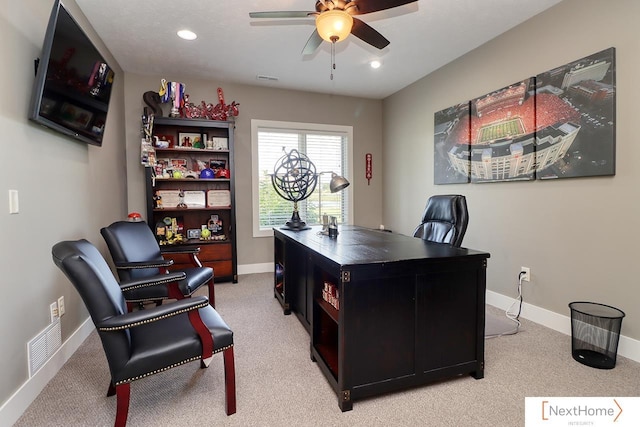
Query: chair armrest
x=179, y=250
x=144, y=264
x=141, y=317
x=158, y=279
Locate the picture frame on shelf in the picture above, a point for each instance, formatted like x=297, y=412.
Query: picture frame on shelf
x=218, y=143
x=194, y=198
x=193, y=233
x=217, y=164
x=162, y=165
x=179, y=163
x=189, y=140
x=218, y=198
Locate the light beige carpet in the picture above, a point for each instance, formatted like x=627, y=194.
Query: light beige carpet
x=279, y=385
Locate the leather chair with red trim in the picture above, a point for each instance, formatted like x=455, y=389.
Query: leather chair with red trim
x=137, y=254
x=144, y=342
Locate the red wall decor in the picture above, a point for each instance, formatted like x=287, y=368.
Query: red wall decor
x=369, y=168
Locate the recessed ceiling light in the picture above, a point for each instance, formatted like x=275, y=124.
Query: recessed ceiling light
x=375, y=64
x=187, y=35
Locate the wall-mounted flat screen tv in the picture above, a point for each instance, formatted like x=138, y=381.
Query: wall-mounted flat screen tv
x=73, y=81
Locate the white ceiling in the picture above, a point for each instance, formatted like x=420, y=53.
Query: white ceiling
x=231, y=47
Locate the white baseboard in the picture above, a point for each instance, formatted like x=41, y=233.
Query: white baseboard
x=265, y=267
x=15, y=406
x=627, y=347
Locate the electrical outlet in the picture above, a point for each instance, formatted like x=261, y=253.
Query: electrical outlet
x=53, y=309
x=61, y=308
x=526, y=274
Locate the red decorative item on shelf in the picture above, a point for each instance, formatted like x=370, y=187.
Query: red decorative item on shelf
x=220, y=111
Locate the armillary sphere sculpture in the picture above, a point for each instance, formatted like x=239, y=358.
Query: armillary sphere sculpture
x=294, y=178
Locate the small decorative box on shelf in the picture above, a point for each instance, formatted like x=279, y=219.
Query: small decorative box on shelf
x=331, y=295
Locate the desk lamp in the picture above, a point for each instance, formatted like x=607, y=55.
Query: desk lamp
x=337, y=183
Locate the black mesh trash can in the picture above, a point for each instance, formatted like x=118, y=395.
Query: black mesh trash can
x=595, y=331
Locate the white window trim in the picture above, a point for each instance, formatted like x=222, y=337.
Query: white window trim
x=257, y=124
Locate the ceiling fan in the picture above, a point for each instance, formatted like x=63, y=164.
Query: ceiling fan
x=335, y=21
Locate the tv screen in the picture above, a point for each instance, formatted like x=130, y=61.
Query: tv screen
x=73, y=81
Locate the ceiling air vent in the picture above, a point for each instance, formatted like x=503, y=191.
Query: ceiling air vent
x=266, y=78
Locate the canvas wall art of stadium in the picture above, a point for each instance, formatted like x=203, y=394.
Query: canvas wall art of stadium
x=558, y=124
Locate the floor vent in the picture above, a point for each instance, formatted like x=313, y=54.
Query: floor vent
x=43, y=345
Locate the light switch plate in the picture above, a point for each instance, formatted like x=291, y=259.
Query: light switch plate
x=14, y=207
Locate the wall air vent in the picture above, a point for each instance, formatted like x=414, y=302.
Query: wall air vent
x=266, y=78
x=43, y=345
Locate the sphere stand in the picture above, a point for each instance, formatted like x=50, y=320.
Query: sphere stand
x=295, y=223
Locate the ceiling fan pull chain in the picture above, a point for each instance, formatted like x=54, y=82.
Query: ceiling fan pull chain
x=333, y=56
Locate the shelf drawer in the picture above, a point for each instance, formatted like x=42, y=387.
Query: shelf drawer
x=215, y=252
x=221, y=268
x=218, y=256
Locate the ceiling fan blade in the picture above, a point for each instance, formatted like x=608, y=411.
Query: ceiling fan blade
x=313, y=43
x=368, y=6
x=367, y=34
x=281, y=14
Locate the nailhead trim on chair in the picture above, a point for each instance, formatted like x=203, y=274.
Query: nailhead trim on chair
x=165, y=316
x=136, y=267
x=128, y=380
x=146, y=300
x=145, y=285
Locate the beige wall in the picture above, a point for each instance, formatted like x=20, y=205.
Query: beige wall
x=267, y=104
x=578, y=236
x=67, y=190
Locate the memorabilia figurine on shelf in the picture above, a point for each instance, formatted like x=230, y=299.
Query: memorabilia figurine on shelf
x=157, y=200
x=181, y=203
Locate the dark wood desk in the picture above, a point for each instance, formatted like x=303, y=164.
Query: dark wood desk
x=410, y=312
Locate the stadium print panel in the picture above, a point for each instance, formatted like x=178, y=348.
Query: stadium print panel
x=451, y=145
x=502, y=134
x=576, y=118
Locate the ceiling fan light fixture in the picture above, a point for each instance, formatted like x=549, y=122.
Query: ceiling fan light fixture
x=334, y=25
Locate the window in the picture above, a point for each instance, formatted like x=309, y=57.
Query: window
x=327, y=146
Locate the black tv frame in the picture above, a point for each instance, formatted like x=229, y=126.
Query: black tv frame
x=93, y=131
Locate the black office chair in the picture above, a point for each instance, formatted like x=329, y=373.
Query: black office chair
x=137, y=255
x=144, y=342
x=444, y=220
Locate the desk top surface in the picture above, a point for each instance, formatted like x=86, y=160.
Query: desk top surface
x=358, y=245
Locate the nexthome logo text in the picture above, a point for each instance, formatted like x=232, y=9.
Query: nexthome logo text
x=582, y=411
x=549, y=410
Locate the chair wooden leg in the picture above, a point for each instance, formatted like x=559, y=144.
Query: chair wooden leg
x=174, y=291
x=229, y=381
x=205, y=336
x=123, y=392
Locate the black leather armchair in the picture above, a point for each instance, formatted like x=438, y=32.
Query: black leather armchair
x=137, y=255
x=144, y=342
x=444, y=220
